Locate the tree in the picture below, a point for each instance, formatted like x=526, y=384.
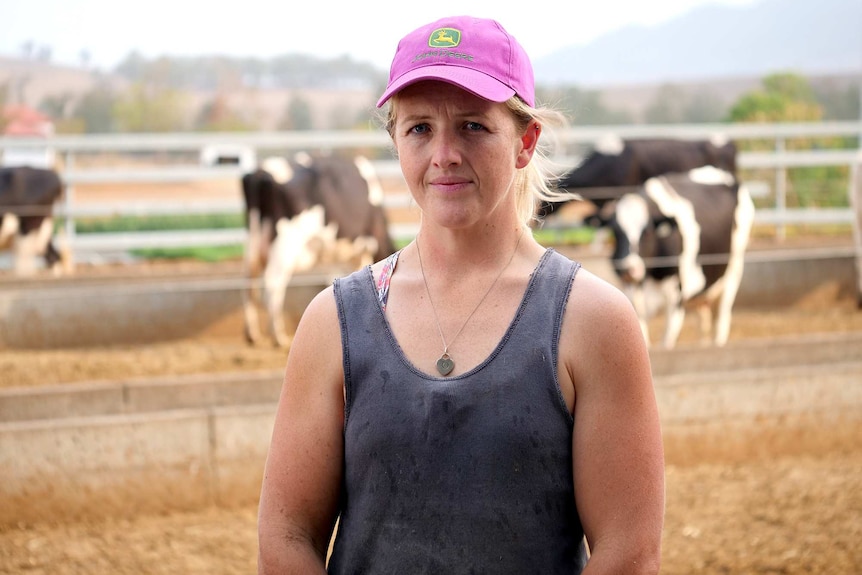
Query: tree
x=703, y=107
x=790, y=98
x=132, y=67
x=44, y=53
x=840, y=103
x=4, y=98
x=297, y=115
x=583, y=107
x=28, y=48
x=56, y=105
x=95, y=110
x=340, y=118
x=783, y=98
x=145, y=108
x=667, y=106
x=217, y=116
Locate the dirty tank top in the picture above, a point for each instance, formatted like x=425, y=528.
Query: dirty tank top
x=465, y=474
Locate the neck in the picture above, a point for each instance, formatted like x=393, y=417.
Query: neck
x=455, y=250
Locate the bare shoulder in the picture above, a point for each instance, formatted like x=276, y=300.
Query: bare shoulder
x=321, y=307
x=317, y=342
x=594, y=303
x=601, y=333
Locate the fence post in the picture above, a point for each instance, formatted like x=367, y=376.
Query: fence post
x=781, y=189
x=856, y=204
x=69, y=199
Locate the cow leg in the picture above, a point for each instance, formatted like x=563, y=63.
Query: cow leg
x=743, y=221
x=9, y=227
x=59, y=258
x=250, y=302
x=600, y=239
x=691, y=277
x=298, y=245
x=675, y=311
x=53, y=260
x=732, y=279
x=275, y=280
x=637, y=295
x=26, y=250
x=43, y=246
x=255, y=260
x=366, y=247
x=704, y=312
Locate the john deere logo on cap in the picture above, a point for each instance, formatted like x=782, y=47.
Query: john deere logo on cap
x=444, y=38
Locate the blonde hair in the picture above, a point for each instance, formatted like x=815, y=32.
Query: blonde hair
x=536, y=182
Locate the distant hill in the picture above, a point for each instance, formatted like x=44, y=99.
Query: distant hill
x=30, y=82
x=711, y=55
x=802, y=36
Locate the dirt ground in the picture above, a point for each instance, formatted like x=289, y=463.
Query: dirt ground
x=222, y=347
x=784, y=516
x=225, y=350
x=781, y=514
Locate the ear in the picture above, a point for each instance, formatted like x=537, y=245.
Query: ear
x=529, y=141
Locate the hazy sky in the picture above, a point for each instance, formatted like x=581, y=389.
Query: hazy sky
x=367, y=31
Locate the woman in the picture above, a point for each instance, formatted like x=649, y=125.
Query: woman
x=475, y=403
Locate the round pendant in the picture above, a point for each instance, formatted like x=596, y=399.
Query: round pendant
x=445, y=365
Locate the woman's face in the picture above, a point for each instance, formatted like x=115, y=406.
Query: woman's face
x=459, y=153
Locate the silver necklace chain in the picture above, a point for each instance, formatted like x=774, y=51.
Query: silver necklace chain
x=446, y=364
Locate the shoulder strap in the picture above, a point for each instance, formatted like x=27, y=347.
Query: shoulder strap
x=385, y=278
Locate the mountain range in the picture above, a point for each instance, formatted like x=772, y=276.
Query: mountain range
x=714, y=52
x=718, y=41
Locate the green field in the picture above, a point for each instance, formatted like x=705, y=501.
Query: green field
x=115, y=224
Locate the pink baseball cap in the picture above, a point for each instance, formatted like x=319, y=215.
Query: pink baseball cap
x=476, y=54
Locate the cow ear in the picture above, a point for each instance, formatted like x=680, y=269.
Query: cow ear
x=529, y=141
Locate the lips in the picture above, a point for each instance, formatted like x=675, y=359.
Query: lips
x=449, y=184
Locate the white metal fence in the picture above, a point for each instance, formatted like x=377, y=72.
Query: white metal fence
x=572, y=143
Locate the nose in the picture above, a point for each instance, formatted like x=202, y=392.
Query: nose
x=446, y=150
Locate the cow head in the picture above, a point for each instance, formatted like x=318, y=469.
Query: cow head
x=721, y=153
x=645, y=240
x=629, y=223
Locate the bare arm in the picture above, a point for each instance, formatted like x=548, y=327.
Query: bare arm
x=302, y=478
x=617, y=446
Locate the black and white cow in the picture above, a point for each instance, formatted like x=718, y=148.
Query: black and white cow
x=27, y=197
x=688, y=233
x=301, y=212
x=616, y=166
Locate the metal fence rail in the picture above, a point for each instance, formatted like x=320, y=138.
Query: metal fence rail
x=378, y=139
x=376, y=144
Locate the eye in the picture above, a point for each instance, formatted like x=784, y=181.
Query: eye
x=419, y=129
x=474, y=126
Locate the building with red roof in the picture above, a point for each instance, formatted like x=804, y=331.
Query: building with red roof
x=24, y=121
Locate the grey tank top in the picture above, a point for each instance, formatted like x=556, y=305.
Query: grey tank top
x=465, y=474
